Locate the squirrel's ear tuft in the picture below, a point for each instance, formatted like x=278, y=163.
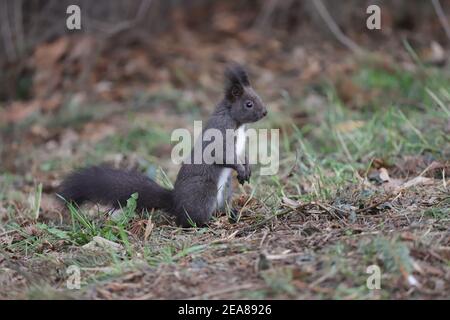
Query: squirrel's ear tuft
x=236, y=73
x=236, y=79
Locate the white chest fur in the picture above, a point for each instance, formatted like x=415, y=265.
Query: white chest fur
x=240, y=141
x=224, y=175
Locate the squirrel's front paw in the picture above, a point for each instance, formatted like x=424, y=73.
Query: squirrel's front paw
x=244, y=175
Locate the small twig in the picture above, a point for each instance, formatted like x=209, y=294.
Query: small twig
x=323, y=207
x=7, y=232
x=267, y=11
x=149, y=226
x=289, y=210
x=322, y=278
x=259, y=224
x=332, y=25
x=263, y=239
x=376, y=204
x=7, y=35
x=111, y=30
x=18, y=20
x=245, y=204
x=442, y=18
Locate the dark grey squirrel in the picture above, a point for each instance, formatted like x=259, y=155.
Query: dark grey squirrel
x=200, y=189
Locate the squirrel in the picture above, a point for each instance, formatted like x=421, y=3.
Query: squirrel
x=200, y=189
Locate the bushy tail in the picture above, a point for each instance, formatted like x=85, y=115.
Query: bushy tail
x=109, y=186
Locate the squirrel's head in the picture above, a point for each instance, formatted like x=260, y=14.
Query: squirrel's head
x=244, y=104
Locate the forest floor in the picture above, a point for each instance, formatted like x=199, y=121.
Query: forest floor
x=363, y=180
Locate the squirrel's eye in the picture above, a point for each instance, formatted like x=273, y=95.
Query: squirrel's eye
x=249, y=104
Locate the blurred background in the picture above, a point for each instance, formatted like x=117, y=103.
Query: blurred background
x=126, y=45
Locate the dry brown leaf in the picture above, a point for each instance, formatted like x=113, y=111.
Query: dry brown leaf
x=384, y=175
x=226, y=22
x=95, y=132
x=417, y=181
x=19, y=111
x=408, y=236
x=349, y=126
x=290, y=203
x=84, y=46
x=98, y=243
x=435, y=54
x=47, y=54
x=53, y=103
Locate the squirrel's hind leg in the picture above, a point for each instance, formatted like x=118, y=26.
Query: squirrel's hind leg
x=195, y=209
x=225, y=206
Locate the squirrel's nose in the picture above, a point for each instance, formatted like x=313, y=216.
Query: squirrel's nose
x=265, y=112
